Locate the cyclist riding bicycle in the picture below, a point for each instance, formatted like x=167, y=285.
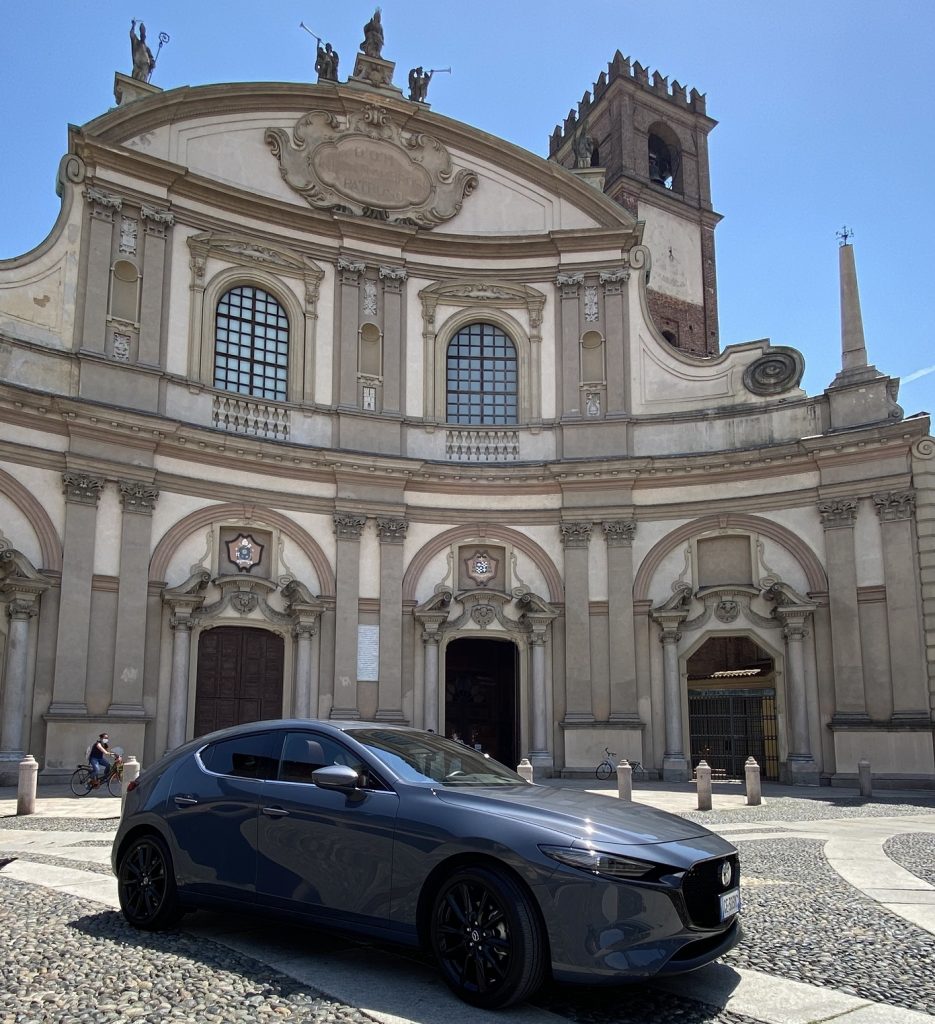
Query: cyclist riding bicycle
x=98, y=756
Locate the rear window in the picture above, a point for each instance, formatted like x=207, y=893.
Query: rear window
x=244, y=757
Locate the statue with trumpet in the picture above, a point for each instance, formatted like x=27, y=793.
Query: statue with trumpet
x=419, y=82
x=326, y=59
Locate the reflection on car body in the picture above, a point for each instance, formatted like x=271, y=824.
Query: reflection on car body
x=401, y=834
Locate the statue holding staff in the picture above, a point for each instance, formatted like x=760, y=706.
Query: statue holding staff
x=372, y=45
x=143, y=59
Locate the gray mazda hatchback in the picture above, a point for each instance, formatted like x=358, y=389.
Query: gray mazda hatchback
x=403, y=835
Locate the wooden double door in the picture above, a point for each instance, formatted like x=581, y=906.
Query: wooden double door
x=240, y=672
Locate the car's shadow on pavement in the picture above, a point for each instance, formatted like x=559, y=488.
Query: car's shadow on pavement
x=287, y=959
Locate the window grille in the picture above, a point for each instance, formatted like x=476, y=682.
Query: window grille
x=251, y=345
x=481, y=376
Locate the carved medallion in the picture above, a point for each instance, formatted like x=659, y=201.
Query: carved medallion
x=370, y=167
x=727, y=610
x=481, y=568
x=244, y=552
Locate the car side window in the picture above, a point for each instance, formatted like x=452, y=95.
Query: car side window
x=305, y=752
x=244, y=757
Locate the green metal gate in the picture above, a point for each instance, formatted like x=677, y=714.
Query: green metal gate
x=727, y=726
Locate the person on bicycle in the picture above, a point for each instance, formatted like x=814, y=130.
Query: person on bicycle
x=98, y=757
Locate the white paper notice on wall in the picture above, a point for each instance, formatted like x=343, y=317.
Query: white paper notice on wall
x=368, y=653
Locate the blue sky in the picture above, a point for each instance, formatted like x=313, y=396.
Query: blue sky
x=825, y=111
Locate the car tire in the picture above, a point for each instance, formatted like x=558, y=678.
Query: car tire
x=487, y=938
x=146, y=885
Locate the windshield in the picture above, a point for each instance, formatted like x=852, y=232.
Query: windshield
x=426, y=757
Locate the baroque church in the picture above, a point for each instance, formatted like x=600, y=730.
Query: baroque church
x=318, y=403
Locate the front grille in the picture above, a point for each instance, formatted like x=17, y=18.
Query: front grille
x=702, y=888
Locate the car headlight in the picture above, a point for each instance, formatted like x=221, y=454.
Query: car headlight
x=608, y=865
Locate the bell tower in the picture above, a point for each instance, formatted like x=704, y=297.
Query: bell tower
x=651, y=139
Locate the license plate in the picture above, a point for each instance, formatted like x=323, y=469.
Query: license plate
x=730, y=904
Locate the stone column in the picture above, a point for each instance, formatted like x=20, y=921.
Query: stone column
x=394, y=356
x=540, y=739
x=675, y=766
x=392, y=534
x=430, y=642
x=103, y=206
x=801, y=764
x=306, y=671
x=345, y=370
x=896, y=510
x=347, y=529
x=16, y=680
x=181, y=626
x=82, y=493
x=155, y=222
x=623, y=698
x=568, y=344
x=615, y=322
x=306, y=393
x=575, y=538
x=838, y=516
x=534, y=306
x=138, y=500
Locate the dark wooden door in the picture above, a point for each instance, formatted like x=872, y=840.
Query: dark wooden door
x=480, y=696
x=239, y=677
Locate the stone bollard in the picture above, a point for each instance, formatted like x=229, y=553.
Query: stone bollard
x=625, y=780
x=524, y=768
x=751, y=771
x=26, y=790
x=703, y=780
x=864, y=779
x=131, y=770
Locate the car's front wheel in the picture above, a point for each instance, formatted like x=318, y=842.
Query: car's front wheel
x=487, y=938
x=146, y=885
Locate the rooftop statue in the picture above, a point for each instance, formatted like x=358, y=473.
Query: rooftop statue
x=419, y=84
x=326, y=63
x=143, y=59
x=372, y=45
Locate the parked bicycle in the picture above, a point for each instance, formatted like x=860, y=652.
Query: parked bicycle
x=607, y=767
x=83, y=780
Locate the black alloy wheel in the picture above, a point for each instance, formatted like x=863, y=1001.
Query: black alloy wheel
x=487, y=938
x=146, y=885
x=81, y=781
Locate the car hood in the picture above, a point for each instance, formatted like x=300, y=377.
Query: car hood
x=580, y=815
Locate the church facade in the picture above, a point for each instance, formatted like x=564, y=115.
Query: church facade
x=316, y=403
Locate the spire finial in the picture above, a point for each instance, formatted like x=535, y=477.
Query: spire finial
x=844, y=234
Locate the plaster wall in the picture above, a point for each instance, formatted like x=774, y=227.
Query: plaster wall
x=676, y=247
x=107, y=541
x=897, y=752
x=868, y=545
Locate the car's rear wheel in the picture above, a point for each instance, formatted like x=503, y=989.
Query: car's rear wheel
x=487, y=938
x=146, y=885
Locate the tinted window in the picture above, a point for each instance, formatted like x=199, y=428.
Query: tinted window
x=304, y=752
x=246, y=757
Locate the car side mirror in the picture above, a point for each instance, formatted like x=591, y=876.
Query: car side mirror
x=336, y=776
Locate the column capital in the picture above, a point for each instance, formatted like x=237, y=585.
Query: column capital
x=22, y=610
x=619, y=532
x=350, y=270
x=894, y=505
x=348, y=526
x=575, y=534
x=305, y=630
x=82, y=488
x=137, y=497
x=392, y=278
x=183, y=623
x=837, y=512
x=156, y=220
x=103, y=204
x=569, y=283
x=391, y=531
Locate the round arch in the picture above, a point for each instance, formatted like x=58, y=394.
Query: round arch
x=50, y=545
x=470, y=533
x=235, y=510
x=806, y=557
x=512, y=328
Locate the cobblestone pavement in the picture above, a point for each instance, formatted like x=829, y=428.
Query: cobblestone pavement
x=69, y=959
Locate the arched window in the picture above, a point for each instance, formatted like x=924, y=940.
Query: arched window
x=665, y=158
x=482, y=376
x=251, y=344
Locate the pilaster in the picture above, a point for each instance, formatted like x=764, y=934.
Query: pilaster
x=347, y=530
x=616, y=318
x=102, y=207
x=392, y=535
x=155, y=224
x=345, y=371
x=394, y=338
x=576, y=537
x=618, y=534
x=570, y=286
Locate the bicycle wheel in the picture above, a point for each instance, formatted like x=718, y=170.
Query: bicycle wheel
x=81, y=781
x=604, y=770
x=115, y=784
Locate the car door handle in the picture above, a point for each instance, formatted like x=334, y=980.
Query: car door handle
x=275, y=812
x=185, y=801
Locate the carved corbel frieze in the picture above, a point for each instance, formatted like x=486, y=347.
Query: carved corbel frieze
x=838, y=512
x=619, y=533
x=81, y=488
x=348, y=526
x=895, y=505
x=391, y=531
x=576, y=534
x=137, y=497
x=103, y=204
